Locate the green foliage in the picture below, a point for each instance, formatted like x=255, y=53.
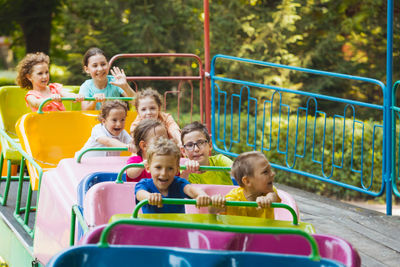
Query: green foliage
x=316, y=157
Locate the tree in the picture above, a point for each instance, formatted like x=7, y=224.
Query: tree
x=33, y=18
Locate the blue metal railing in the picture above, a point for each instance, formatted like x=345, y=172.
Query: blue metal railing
x=335, y=143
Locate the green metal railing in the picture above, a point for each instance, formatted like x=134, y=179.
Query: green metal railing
x=24, y=222
x=314, y=255
x=79, y=158
x=76, y=214
x=47, y=100
x=182, y=167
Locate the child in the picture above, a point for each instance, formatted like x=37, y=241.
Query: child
x=197, y=147
x=163, y=163
x=146, y=131
x=148, y=106
x=102, y=85
x=33, y=73
x=255, y=177
x=110, y=132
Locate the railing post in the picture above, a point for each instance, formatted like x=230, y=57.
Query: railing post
x=387, y=102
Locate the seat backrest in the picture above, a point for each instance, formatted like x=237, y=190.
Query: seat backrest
x=53, y=136
x=105, y=199
x=12, y=107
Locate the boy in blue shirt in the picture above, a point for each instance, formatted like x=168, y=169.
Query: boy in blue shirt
x=163, y=164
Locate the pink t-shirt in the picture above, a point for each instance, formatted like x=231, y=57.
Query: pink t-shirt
x=144, y=174
x=55, y=88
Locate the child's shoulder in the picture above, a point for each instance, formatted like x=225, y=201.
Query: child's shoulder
x=220, y=160
x=235, y=194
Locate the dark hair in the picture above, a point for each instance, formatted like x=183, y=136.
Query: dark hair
x=244, y=165
x=25, y=67
x=141, y=131
x=91, y=52
x=163, y=146
x=107, y=106
x=195, y=126
x=148, y=92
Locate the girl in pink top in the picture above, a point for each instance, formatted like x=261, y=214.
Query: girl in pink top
x=146, y=132
x=33, y=73
x=148, y=106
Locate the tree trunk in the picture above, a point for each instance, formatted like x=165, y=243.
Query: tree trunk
x=35, y=22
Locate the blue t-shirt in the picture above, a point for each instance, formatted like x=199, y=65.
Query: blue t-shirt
x=88, y=89
x=175, y=190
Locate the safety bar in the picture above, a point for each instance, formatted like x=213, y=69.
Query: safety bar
x=79, y=158
x=40, y=111
x=179, y=201
x=314, y=255
x=182, y=167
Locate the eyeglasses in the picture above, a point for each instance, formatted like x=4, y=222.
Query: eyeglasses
x=200, y=144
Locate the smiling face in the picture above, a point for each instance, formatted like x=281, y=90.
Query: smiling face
x=39, y=77
x=97, y=67
x=148, y=108
x=115, y=121
x=261, y=182
x=163, y=169
x=199, y=152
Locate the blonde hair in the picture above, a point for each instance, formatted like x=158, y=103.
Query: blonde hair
x=148, y=92
x=244, y=165
x=109, y=105
x=142, y=130
x=25, y=67
x=163, y=146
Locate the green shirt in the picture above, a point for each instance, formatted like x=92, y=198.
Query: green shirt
x=214, y=177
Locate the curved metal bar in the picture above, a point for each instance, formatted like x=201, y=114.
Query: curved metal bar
x=179, y=201
x=79, y=158
x=47, y=100
x=182, y=167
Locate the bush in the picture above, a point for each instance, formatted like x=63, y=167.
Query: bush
x=323, y=158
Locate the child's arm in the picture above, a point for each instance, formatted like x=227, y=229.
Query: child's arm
x=120, y=81
x=34, y=102
x=173, y=129
x=112, y=142
x=91, y=105
x=265, y=201
x=154, y=198
x=202, y=199
x=133, y=173
x=78, y=97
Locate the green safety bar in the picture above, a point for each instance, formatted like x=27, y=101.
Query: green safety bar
x=24, y=221
x=182, y=167
x=76, y=214
x=40, y=111
x=314, y=256
x=79, y=158
x=179, y=201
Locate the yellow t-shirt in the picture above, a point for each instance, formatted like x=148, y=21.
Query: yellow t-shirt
x=214, y=177
x=237, y=194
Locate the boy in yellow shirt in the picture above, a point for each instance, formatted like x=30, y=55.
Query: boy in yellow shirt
x=255, y=177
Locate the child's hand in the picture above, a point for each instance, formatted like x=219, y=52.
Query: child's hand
x=119, y=75
x=56, y=97
x=131, y=148
x=264, y=201
x=99, y=97
x=79, y=97
x=155, y=199
x=192, y=166
x=202, y=201
x=218, y=201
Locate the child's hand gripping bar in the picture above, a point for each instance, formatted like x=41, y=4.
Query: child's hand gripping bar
x=47, y=100
x=182, y=167
x=314, y=255
x=179, y=201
